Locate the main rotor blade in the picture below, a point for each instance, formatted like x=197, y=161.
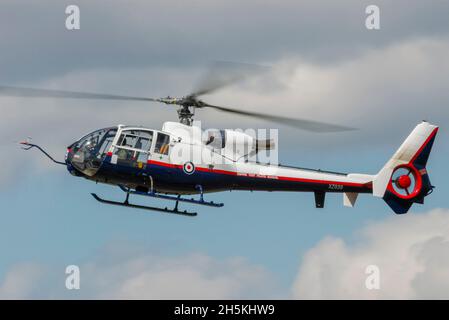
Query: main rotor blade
x=46, y=93
x=309, y=125
x=224, y=73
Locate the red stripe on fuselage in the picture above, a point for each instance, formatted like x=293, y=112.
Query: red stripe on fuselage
x=233, y=173
x=348, y=184
x=164, y=164
x=219, y=171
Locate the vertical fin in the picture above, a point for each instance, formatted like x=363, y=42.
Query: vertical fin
x=349, y=198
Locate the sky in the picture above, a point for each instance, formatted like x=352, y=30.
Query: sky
x=324, y=65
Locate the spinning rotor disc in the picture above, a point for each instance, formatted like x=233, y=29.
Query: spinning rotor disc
x=221, y=75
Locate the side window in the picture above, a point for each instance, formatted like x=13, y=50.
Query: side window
x=162, y=143
x=134, y=145
x=127, y=140
x=216, y=139
x=136, y=139
x=107, y=141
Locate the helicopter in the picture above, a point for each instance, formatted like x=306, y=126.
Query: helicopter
x=176, y=162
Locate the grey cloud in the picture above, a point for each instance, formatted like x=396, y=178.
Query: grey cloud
x=138, y=34
x=392, y=88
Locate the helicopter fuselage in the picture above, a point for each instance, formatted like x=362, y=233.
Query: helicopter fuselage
x=177, y=160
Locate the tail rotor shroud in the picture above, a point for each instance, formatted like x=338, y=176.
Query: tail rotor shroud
x=406, y=182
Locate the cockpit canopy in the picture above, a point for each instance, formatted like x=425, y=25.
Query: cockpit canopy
x=127, y=146
x=87, y=154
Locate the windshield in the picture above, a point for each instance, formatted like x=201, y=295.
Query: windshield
x=88, y=153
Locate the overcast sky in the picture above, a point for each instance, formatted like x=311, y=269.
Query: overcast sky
x=324, y=65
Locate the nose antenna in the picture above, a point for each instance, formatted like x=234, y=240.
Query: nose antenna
x=27, y=145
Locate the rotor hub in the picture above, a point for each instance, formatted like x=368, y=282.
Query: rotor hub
x=403, y=182
x=406, y=182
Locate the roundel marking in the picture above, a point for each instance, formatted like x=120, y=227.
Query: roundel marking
x=189, y=167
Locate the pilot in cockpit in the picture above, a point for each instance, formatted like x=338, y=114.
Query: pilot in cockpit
x=123, y=153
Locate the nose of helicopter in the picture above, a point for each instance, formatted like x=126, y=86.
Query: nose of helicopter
x=69, y=161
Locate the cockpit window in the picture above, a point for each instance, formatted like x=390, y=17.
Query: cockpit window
x=107, y=142
x=87, y=154
x=90, y=141
x=136, y=139
x=162, y=143
x=134, y=146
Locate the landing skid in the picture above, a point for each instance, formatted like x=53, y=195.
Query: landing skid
x=135, y=206
x=153, y=194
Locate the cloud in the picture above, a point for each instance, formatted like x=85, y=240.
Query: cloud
x=144, y=276
x=21, y=281
x=193, y=277
x=411, y=252
x=394, y=87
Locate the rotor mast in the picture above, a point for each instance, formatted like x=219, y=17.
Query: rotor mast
x=185, y=115
x=186, y=109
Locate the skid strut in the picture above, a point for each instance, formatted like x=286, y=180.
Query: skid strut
x=154, y=194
